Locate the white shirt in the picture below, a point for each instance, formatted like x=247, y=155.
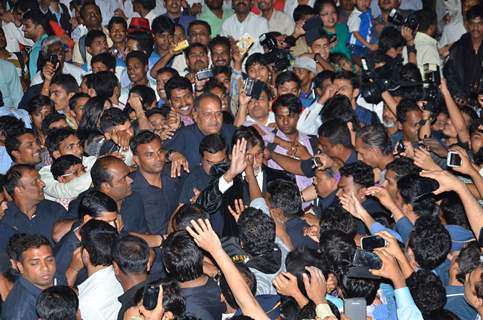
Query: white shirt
x=427, y=51
x=281, y=22
x=107, y=9
x=413, y=5
x=98, y=296
x=290, y=6
x=309, y=120
x=55, y=190
x=151, y=16
x=14, y=37
x=68, y=68
x=253, y=25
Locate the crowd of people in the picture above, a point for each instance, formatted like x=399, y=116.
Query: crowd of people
x=265, y=159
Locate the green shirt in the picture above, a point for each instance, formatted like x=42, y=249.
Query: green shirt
x=342, y=34
x=215, y=23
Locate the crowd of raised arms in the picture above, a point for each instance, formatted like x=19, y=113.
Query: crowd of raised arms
x=241, y=159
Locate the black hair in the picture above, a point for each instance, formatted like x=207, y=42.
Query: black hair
x=412, y=192
x=253, y=59
x=430, y=242
x=13, y=176
x=55, y=138
x=57, y=303
x=12, y=142
x=427, y=291
x=131, y=254
x=187, y=213
x=173, y=72
x=337, y=251
x=94, y=203
x=301, y=11
x=221, y=70
x=200, y=23
x=256, y=232
x=287, y=76
x=247, y=275
x=426, y=18
x=25, y=242
x=360, y=172
x=117, y=20
x=194, y=46
x=62, y=164
x=358, y=287
x=335, y=217
x=93, y=35
x=212, y=143
x=139, y=55
x=104, y=83
x=10, y=125
x=182, y=258
x=219, y=41
x=146, y=4
x=145, y=41
x=290, y=101
x=38, y=18
x=390, y=38
x=162, y=24
x=300, y=258
x=285, y=195
x=111, y=118
x=348, y=75
x=250, y=134
x=339, y=107
x=475, y=12
x=181, y=83
x=441, y=314
x=468, y=259
x=163, y=112
x=337, y=132
x=173, y=301
x=100, y=171
x=106, y=59
x=405, y=106
x=319, y=79
x=143, y=137
x=147, y=94
x=319, y=4
x=402, y=166
x=97, y=237
x=49, y=119
x=453, y=211
x=88, y=124
x=375, y=136
x=75, y=98
x=66, y=81
x=213, y=84
x=87, y=3
x=37, y=104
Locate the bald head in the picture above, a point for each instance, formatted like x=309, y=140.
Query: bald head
x=208, y=113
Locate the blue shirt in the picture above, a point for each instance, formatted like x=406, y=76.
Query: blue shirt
x=5, y=160
x=198, y=179
x=295, y=230
x=10, y=85
x=42, y=222
x=63, y=255
x=365, y=117
x=132, y=212
x=203, y=301
x=406, y=308
x=20, y=303
x=457, y=304
x=158, y=203
x=34, y=55
x=187, y=141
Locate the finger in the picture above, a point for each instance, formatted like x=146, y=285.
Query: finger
x=196, y=227
x=307, y=283
x=208, y=225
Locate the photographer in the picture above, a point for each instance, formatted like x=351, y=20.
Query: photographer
x=463, y=68
x=425, y=44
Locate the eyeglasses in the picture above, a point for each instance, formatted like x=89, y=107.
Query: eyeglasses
x=76, y=173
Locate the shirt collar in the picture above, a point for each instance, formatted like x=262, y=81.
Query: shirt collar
x=29, y=286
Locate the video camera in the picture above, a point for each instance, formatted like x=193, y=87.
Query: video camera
x=279, y=57
x=397, y=19
x=431, y=83
x=375, y=81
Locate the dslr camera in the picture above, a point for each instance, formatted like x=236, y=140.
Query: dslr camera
x=397, y=19
x=375, y=81
x=279, y=57
x=431, y=83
